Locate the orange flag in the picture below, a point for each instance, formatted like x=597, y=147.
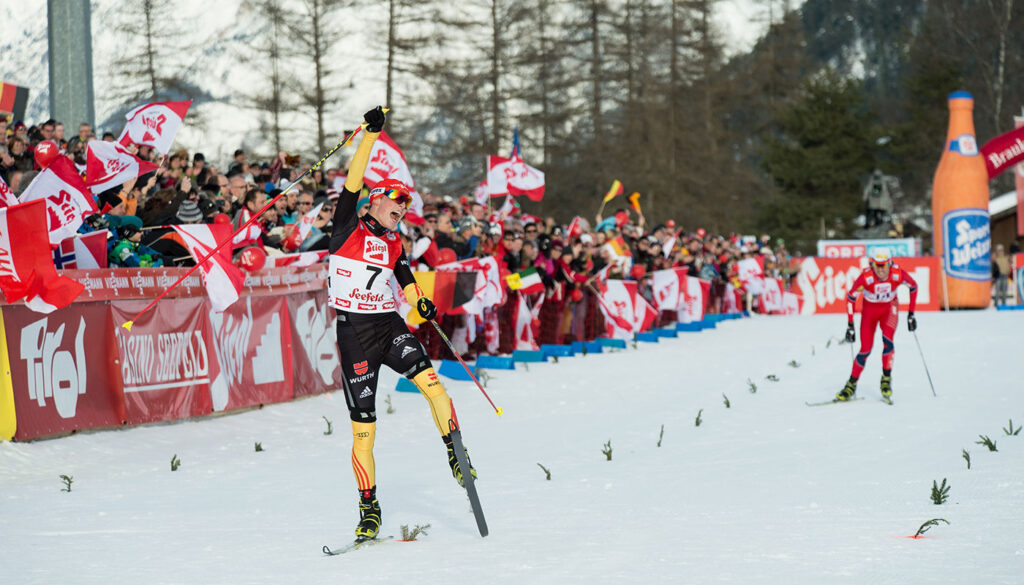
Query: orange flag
x=634, y=200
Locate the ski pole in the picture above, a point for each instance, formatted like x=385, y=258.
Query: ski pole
x=925, y=364
x=444, y=338
x=128, y=324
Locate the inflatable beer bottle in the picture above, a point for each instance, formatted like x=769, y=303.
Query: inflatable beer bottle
x=960, y=211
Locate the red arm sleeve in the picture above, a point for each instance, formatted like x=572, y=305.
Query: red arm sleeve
x=908, y=280
x=851, y=298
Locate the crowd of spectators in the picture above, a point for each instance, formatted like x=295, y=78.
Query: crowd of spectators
x=186, y=188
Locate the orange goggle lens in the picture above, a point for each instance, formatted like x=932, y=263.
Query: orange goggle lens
x=398, y=196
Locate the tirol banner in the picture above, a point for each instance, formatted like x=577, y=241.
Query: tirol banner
x=823, y=283
x=165, y=359
x=252, y=340
x=61, y=369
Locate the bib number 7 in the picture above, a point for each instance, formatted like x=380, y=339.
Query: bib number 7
x=375, y=270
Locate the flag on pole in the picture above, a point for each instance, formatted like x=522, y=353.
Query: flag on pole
x=512, y=176
x=154, y=124
x=68, y=200
x=108, y=164
x=526, y=282
x=26, y=264
x=223, y=279
x=634, y=201
x=614, y=192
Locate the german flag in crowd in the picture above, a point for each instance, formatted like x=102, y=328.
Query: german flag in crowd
x=13, y=100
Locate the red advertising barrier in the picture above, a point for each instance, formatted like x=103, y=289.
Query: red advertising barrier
x=62, y=370
x=165, y=360
x=77, y=368
x=823, y=283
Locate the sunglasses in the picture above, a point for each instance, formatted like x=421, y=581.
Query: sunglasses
x=398, y=196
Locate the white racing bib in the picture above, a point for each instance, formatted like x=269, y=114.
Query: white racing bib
x=359, y=287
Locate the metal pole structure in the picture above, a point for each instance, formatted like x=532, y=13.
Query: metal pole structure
x=69, y=30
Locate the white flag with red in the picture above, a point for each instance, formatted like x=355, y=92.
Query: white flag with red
x=82, y=252
x=68, y=200
x=695, y=301
x=617, y=302
x=751, y=274
x=669, y=287
x=297, y=259
x=26, y=263
x=223, y=279
x=512, y=176
x=388, y=162
x=644, y=314
x=154, y=124
x=108, y=164
x=524, y=325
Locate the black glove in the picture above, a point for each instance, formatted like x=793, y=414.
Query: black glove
x=850, y=335
x=426, y=309
x=375, y=119
x=911, y=322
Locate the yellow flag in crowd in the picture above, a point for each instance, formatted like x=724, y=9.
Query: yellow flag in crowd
x=634, y=200
x=614, y=192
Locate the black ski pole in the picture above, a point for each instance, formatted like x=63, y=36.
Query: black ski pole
x=924, y=363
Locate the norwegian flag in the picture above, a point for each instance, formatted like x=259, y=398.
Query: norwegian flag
x=26, y=264
x=82, y=251
x=388, y=162
x=154, y=124
x=68, y=200
x=108, y=164
x=512, y=176
x=7, y=197
x=222, y=278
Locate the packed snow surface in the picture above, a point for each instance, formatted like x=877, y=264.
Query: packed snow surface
x=764, y=491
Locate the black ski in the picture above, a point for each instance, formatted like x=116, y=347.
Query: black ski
x=359, y=543
x=468, y=481
x=833, y=401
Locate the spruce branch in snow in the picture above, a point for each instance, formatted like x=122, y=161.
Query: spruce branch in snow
x=554, y=359
x=1010, y=432
x=607, y=450
x=67, y=479
x=940, y=493
x=794, y=363
x=772, y=378
x=408, y=535
x=697, y=421
x=483, y=376
x=387, y=400
x=751, y=386
x=175, y=462
x=967, y=457
x=661, y=435
x=725, y=399
x=259, y=446
x=330, y=427
x=547, y=472
x=924, y=527
x=986, y=442
x=812, y=351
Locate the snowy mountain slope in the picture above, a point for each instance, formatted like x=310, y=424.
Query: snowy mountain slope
x=766, y=491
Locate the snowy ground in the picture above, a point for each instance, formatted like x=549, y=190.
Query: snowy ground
x=767, y=491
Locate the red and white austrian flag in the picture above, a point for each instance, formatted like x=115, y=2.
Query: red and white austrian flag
x=26, y=265
x=154, y=124
x=108, y=164
x=68, y=200
x=511, y=176
x=222, y=278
